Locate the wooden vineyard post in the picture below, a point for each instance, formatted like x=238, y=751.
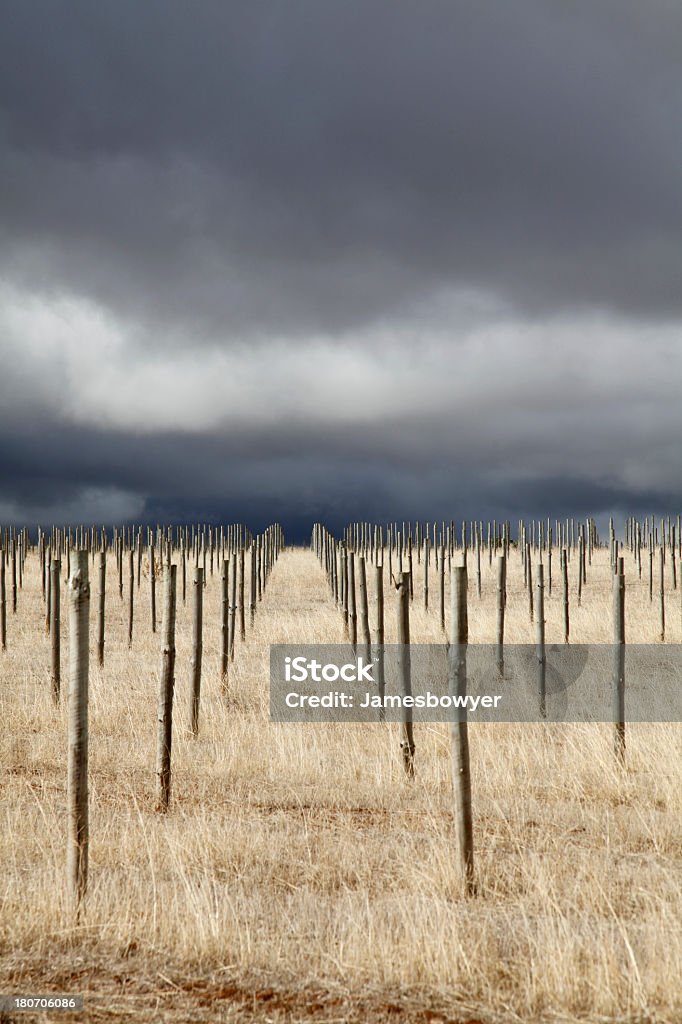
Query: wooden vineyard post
x=48, y=603
x=670, y=550
x=651, y=571
x=426, y=574
x=152, y=586
x=102, y=581
x=409, y=566
x=441, y=586
x=13, y=569
x=233, y=603
x=404, y=672
x=540, y=639
x=478, y=563
x=242, y=619
x=252, y=590
x=55, y=626
x=131, y=594
x=459, y=735
x=364, y=610
x=619, y=663
x=165, y=708
x=197, y=647
x=3, y=603
x=77, y=769
x=530, y=583
x=343, y=575
x=224, y=623
x=499, y=631
x=662, y=593
x=183, y=566
x=564, y=577
x=381, y=681
x=352, y=611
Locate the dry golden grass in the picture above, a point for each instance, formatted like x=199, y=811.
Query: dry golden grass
x=298, y=875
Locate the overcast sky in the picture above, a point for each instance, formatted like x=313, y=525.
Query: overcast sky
x=335, y=259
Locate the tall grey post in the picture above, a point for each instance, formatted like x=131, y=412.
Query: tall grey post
x=77, y=769
x=461, y=772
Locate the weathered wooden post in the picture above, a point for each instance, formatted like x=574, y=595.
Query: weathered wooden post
x=102, y=582
x=55, y=627
x=48, y=603
x=352, y=612
x=224, y=623
x=44, y=567
x=165, y=708
x=233, y=602
x=459, y=735
x=131, y=594
x=343, y=573
x=478, y=562
x=409, y=565
x=119, y=561
x=564, y=576
x=673, y=558
x=139, y=556
x=242, y=616
x=197, y=647
x=152, y=585
x=530, y=582
x=183, y=571
x=651, y=571
x=426, y=574
x=662, y=592
x=252, y=591
x=77, y=770
x=501, y=601
x=540, y=639
x=405, y=673
x=13, y=568
x=381, y=678
x=364, y=609
x=3, y=603
x=619, y=663
x=441, y=586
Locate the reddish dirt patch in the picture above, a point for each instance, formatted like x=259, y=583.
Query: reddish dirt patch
x=147, y=992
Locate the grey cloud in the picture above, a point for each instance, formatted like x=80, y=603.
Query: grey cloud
x=414, y=467
x=251, y=175
x=306, y=167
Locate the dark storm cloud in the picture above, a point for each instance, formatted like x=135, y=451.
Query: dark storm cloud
x=334, y=259
x=316, y=166
x=54, y=473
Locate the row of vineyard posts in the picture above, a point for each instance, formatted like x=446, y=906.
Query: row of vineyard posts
x=396, y=546
x=159, y=553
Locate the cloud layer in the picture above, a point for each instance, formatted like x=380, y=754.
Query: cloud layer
x=339, y=259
